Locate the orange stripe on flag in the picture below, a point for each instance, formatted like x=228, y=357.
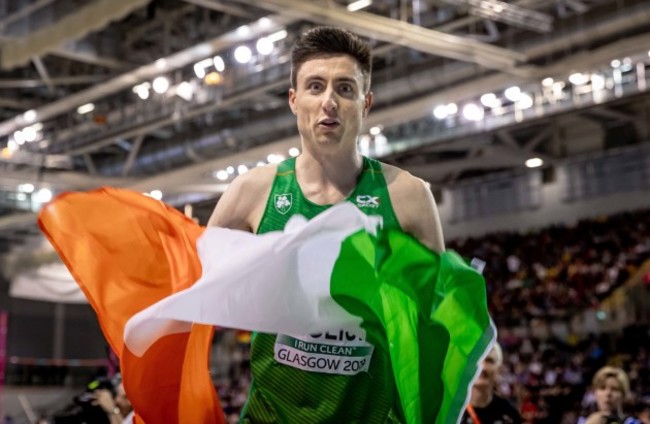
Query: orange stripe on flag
x=128, y=251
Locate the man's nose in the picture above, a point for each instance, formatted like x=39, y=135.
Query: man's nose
x=330, y=102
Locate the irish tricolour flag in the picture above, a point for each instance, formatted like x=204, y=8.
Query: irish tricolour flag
x=159, y=284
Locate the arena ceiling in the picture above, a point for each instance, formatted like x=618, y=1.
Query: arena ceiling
x=462, y=88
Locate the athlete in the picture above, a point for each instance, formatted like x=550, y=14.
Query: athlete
x=338, y=376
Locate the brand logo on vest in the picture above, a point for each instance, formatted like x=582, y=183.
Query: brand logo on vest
x=283, y=202
x=367, y=201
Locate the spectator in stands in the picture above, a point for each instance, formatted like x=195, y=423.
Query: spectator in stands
x=485, y=406
x=611, y=386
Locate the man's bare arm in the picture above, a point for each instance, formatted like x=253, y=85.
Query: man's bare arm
x=415, y=207
x=242, y=205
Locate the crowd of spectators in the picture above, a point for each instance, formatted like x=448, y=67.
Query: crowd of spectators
x=550, y=380
x=555, y=272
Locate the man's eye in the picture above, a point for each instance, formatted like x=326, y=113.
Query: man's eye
x=315, y=86
x=346, y=88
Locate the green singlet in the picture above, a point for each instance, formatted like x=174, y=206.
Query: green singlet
x=334, y=377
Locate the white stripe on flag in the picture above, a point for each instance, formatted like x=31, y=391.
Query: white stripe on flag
x=277, y=282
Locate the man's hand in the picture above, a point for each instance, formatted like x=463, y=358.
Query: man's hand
x=104, y=399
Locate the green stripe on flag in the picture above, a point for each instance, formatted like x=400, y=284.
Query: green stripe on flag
x=428, y=311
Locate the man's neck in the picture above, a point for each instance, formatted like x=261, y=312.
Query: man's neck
x=481, y=398
x=338, y=170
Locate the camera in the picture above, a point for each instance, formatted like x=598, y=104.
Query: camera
x=612, y=419
x=82, y=410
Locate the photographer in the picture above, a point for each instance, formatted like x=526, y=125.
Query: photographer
x=118, y=408
x=611, y=387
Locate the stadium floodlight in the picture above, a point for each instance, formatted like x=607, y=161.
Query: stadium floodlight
x=490, y=100
x=358, y=5
x=30, y=134
x=597, y=82
x=265, y=22
x=525, y=101
x=534, y=163
x=26, y=188
x=19, y=137
x=87, y=108
x=43, y=195
x=578, y=78
x=473, y=112
x=440, y=112
x=160, y=85
x=512, y=93
x=219, y=64
x=29, y=116
x=264, y=46
x=184, y=90
x=273, y=158
x=277, y=36
x=156, y=194
x=243, y=54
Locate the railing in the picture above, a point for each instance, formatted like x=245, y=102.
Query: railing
x=610, y=82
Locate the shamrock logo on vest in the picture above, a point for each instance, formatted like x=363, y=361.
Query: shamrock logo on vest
x=283, y=202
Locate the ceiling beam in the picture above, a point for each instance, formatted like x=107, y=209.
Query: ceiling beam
x=130, y=160
x=17, y=220
x=400, y=32
x=148, y=72
x=23, y=13
x=469, y=20
x=610, y=114
x=90, y=58
x=64, y=180
x=171, y=118
x=42, y=71
x=493, y=157
x=220, y=6
x=34, y=83
x=544, y=134
x=11, y=103
x=73, y=26
x=161, y=17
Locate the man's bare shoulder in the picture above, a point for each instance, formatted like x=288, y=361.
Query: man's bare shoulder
x=257, y=179
x=414, y=206
x=401, y=180
x=244, y=199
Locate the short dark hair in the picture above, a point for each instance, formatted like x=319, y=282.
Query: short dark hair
x=323, y=41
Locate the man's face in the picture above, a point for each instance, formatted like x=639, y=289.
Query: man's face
x=609, y=396
x=329, y=100
x=488, y=376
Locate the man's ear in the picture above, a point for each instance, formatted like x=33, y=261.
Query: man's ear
x=292, y=100
x=367, y=104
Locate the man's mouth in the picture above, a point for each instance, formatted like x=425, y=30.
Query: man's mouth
x=329, y=123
